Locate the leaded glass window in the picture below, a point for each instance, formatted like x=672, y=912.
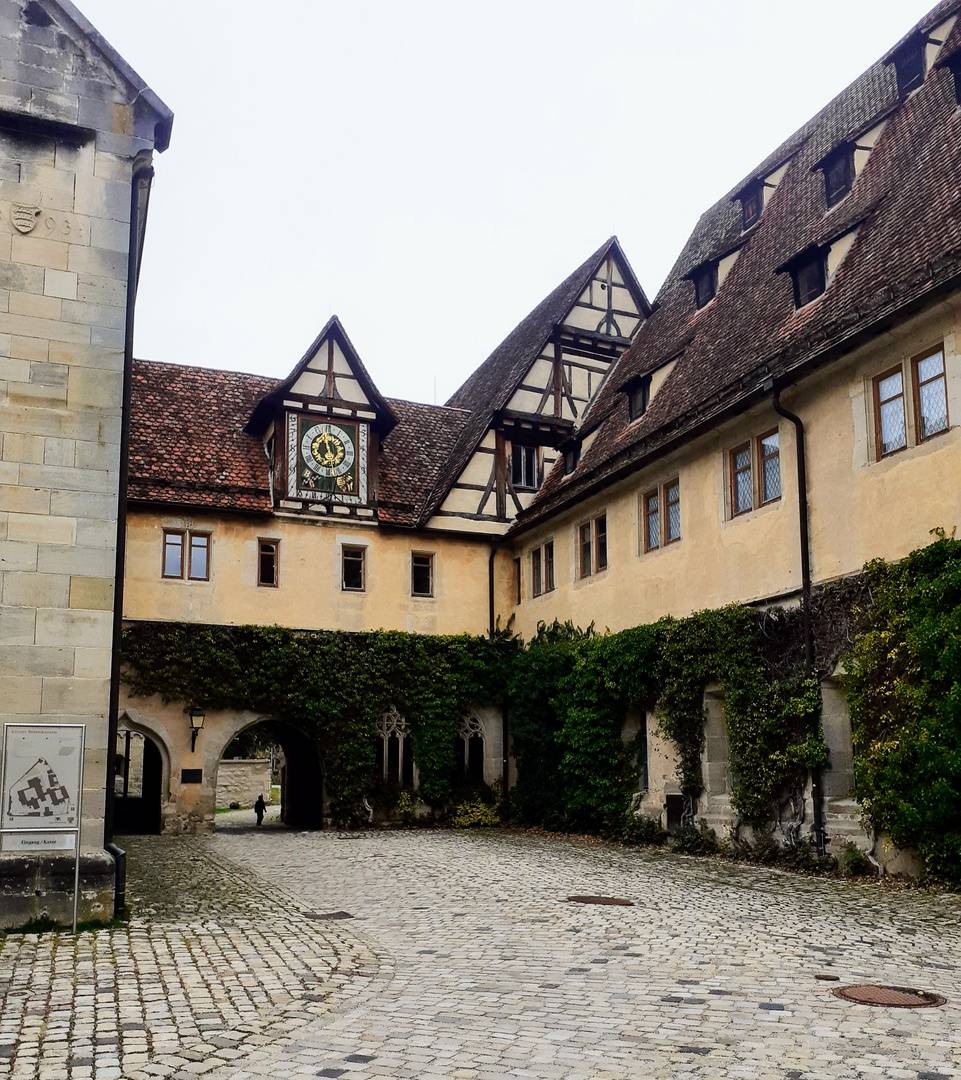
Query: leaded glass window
x=672, y=506
x=769, y=457
x=652, y=521
x=931, y=395
x=889, y=412
x=742, y=493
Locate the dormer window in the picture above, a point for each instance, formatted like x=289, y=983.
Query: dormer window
x=524, y=467
x=752, y=204
x=909, y=65
x=838, y=168
x=809, y=273
x=638, y=397
x=705, y=283
x=571, y=454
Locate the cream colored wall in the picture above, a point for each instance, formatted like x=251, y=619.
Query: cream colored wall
x=859, y=508
x=310, y=594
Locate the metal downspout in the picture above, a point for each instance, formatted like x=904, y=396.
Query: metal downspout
x=817, y=796
x=139, y=196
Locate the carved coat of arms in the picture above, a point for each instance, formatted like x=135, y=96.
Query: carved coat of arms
x=25, y=217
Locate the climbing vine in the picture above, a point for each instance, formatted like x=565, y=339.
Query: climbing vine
x=904, y=691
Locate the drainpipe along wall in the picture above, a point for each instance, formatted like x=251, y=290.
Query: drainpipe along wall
x=807, y=628
x=139, y=198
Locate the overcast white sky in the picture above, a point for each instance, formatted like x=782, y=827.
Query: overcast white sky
x=430, y=169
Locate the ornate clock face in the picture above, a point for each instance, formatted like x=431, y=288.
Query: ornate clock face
x=327, y=450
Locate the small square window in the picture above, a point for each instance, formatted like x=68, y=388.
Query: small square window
x=809, y=278
x=422, y=575
x=199, y=568
x=354, y=569
x=769, y=466
x=267, y=563
x=524, y=470
x=638, y=398
x=838, y=174
x=752, y=204
x=549, y=566
x=705, y=283
x=909, y=65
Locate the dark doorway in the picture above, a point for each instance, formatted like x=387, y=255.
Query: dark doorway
x=301, y=777
x=138, y=778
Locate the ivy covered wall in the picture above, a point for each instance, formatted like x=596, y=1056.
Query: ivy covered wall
x=898, y=629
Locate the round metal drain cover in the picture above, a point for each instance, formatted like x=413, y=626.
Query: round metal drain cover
x=898, y=997
x=616, y=901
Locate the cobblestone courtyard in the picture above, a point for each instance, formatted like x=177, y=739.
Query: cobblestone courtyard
x=463, y=959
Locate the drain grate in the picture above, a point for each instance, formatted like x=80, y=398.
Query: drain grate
x=898, y=997
x=612, y=900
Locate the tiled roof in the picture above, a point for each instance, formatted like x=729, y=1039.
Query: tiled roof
x=907, y=204
x=188, y=447
x=490, y=387
x=411, y=456
x=187, y=444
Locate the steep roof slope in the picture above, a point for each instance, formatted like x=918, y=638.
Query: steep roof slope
x=490, y=386
x=906, y=204
x=188, y=446
x=187, y=443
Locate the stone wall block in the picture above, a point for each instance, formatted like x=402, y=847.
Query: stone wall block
x=52, y=106
x=25, y=500
x=9, y=474
x=92, y=533
x=50, y=476
x=17, y=625
x=101, y=290
x=48, y=178
x=100, y=315
x=92, y=593
x=73, y=559
x=51, y=397
x=17, y=447
x=18, y=555
x=42, y=528
x=108, y=234
x=43, y=307
x=102, y=198
x=63, y=352
x=84, y=505
x=35, y=251
x=33, y=590
x=60, y=452
x=112, y=167
x=14, y=96
x=29, y=348
x=106, y=337
x=79, y=696
x=20, y=694
x=18, y=278
x=92, y=663
x=61, y=283
x=15, y=369
x=97, y=260
x=35, y=660
x=94, y=388
x=75, y=627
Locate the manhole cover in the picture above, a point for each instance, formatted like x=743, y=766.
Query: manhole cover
x=614, y=900
x=899, y=997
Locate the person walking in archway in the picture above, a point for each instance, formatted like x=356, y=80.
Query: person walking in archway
x=259, y=807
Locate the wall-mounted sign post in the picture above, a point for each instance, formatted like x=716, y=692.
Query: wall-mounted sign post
x=41, y=784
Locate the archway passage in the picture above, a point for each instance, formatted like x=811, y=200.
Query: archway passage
x=138, y=779
x=301, y=775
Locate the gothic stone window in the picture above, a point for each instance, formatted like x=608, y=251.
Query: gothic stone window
x=393, y=754
x=469, y=751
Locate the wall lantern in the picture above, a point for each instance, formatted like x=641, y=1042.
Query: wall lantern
x=197, y=717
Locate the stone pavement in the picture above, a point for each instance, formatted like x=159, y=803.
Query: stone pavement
x=464, y=960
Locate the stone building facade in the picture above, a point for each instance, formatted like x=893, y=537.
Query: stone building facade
x=77, y=130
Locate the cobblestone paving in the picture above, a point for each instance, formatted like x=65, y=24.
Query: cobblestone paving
x=711, y=974
x=464, y=960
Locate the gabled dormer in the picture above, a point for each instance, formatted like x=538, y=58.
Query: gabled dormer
x=321, y=429
x=531, y=394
